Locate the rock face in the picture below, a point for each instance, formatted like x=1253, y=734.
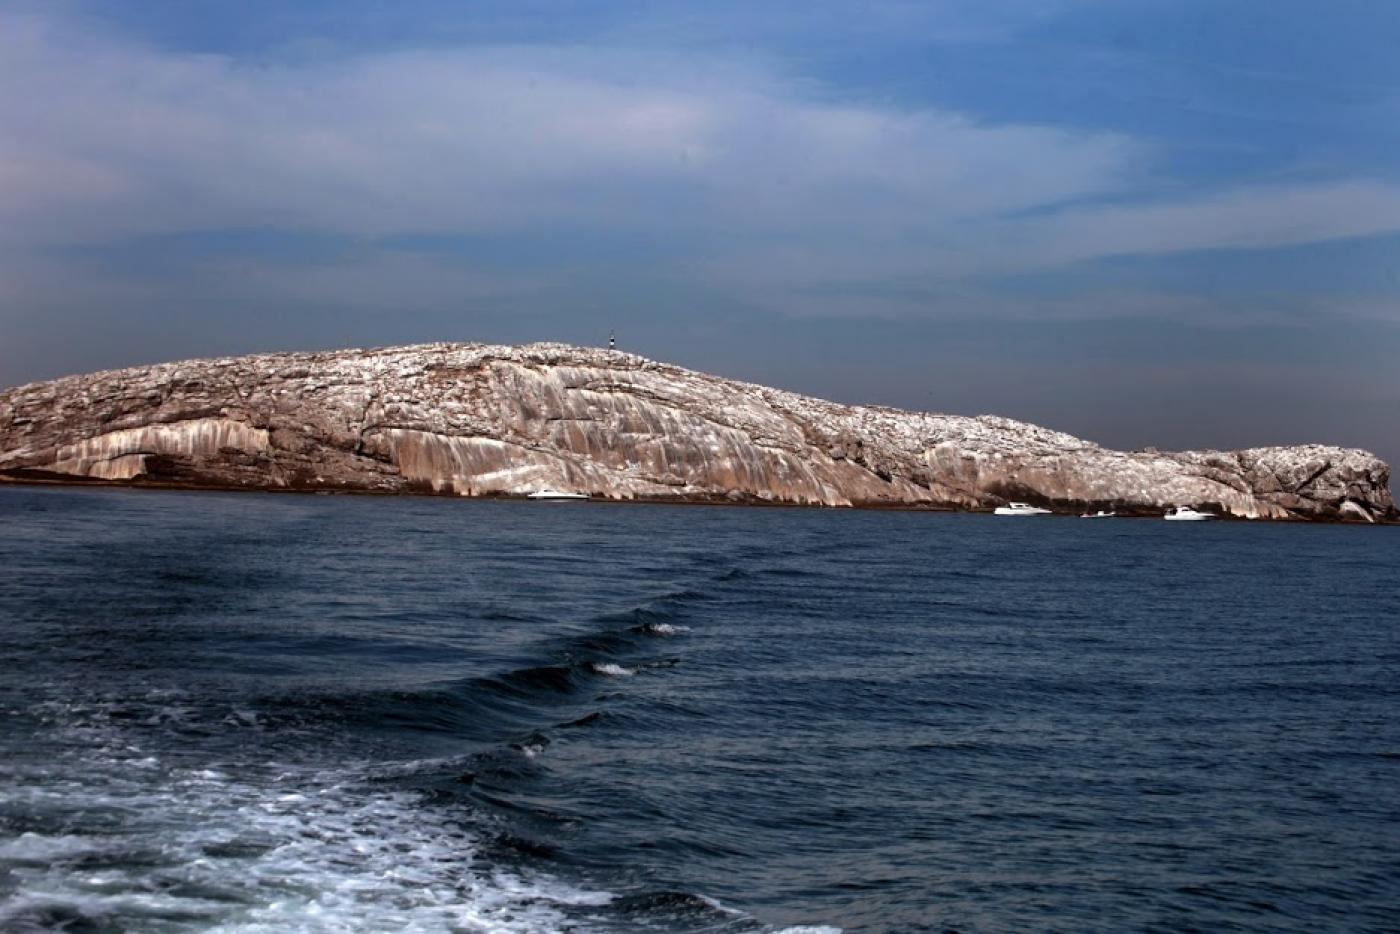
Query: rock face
x=476, y=420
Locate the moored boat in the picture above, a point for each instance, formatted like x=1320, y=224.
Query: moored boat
x=551, y=494
x=1020, y=509
x=1187, y=514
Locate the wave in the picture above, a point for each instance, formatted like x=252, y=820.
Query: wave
x=612, y=670
x=114, y=834
x=532, y=745
x=684, y=595
x=675, y=907
x=662, y=629
x=337, y=835
x=555, y=679
x=317, y=842
x=318, y=856
x=484, y=707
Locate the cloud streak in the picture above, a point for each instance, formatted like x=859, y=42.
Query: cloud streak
x=116, y=140
x=761, y=179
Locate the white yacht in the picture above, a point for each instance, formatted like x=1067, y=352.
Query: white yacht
x=1099, y=515
x=1020, y=509
x=1187, y=514
x=548, y=493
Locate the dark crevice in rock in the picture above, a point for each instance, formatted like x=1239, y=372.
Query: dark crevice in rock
x=1313, y=477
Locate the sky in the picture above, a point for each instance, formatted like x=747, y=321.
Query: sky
x=1143, y=222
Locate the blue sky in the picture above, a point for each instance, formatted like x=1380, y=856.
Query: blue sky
x=1169, y=223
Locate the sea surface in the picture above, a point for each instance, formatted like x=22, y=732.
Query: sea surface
x=250, y=712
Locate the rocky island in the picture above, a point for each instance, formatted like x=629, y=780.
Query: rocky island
x=480, y=420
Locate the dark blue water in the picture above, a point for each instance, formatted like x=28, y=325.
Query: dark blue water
x=273, y=713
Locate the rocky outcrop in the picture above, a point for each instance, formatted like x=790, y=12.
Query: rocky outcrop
x=479, y=420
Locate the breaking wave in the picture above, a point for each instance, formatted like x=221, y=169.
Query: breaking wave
x=613, y=670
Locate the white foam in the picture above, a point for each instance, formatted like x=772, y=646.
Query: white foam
x=35, y=847
x=667, y=629
x=248, y=850
x=719, y=906
x=613, y=670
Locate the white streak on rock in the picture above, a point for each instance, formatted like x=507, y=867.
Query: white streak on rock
x=121, y=455
x=475, y=419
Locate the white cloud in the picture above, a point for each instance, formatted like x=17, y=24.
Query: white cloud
x=770, y=190
x=110, y=140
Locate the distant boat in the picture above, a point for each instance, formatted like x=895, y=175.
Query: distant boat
x=1099, y=515
x=1187, y=514
x=547, y=493
x=1020, y=509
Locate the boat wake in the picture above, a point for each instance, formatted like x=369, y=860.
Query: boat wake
x=114, y=835
x=152, y=816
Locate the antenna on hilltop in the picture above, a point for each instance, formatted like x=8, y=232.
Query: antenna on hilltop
x=612, y=340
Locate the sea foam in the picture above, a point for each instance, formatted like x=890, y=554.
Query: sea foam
x=613, y=670
x=272, y=848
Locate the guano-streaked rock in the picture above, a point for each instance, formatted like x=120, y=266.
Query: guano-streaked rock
x=478, y=420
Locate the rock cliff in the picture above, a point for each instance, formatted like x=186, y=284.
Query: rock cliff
x=476, y=420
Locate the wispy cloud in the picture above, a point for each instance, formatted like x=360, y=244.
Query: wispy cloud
x=1242, y=218
x=765, y=184
x=117, y=140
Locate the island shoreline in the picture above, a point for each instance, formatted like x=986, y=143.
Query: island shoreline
x=149, y=486
x=488, y=422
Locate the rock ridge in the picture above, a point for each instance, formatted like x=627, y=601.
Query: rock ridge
x=482, y=420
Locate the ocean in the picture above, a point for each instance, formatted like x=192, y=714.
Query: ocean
x=257, y=712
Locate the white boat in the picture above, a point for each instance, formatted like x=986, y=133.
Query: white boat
x=1099, y=515
x=547, y=493
x=1020, y=509
x=1187, y=514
